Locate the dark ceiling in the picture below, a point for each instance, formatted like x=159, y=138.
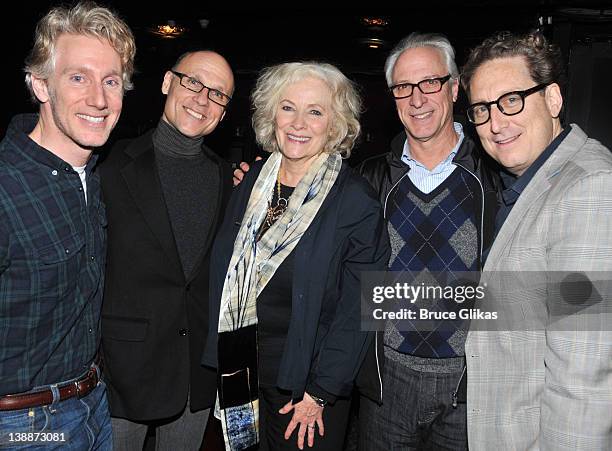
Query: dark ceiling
x=254, y=37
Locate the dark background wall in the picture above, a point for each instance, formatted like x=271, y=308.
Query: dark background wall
x=254, y=38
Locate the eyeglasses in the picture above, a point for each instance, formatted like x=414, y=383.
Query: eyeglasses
x=196, y=86
x=427, y=86
x=509, y=104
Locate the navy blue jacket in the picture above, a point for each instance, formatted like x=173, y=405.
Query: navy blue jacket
x=325, y=344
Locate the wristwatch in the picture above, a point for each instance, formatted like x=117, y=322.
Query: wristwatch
x=320, y=402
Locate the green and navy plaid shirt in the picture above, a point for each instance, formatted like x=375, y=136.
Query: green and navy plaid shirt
x=52, y=249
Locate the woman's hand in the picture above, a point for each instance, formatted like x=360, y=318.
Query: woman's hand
x=307, y=415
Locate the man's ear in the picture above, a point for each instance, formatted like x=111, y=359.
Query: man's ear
x=166, y=83
x=40, y=88
x=554, y=99
x=455, y=88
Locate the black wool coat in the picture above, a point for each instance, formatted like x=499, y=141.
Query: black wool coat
x=154, y=319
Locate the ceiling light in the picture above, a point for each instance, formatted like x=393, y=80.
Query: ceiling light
x=169, y=30
x=375, y=21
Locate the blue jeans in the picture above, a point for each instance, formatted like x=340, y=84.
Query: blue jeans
x=416, y=414
x=73, y=424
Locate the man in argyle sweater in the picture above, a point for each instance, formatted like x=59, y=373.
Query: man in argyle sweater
x=440, y=205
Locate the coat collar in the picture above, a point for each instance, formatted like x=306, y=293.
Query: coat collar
x=537, y=187
x=142, y=180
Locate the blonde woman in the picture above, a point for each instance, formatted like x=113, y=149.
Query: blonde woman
x=286, y=267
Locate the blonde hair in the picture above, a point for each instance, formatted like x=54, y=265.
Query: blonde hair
x=345, y=104
x=85, y=18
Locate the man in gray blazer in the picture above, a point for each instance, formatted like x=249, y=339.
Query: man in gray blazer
x=548, y=387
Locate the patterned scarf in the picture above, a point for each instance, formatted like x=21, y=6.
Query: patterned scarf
x=252, y=265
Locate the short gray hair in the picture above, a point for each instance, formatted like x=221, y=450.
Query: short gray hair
x=415, y=40
x=345, y=103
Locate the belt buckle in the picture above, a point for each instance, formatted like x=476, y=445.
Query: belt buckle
x=77, y=392
x=85, y=380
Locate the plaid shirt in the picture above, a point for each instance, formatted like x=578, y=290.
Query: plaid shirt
x=52, y=249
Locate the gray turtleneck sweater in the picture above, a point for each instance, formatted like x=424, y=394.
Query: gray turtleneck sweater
x=190, y=183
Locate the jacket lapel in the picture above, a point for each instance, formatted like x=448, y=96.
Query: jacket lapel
x=536, y=188
x=143, y=183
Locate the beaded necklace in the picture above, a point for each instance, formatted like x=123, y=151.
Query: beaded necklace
x=276, y=206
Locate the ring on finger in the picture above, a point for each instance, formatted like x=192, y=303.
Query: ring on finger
x=311, y=426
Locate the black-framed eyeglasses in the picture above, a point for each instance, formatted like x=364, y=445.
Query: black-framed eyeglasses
x=196, y=86
x=427, y=86
x=509, y=104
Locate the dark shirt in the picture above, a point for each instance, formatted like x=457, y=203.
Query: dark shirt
x=273, y=317
x=190, y=184
x=513, y=186
x=274, y=304
x=52, y=249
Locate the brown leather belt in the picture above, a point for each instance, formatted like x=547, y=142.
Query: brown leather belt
x=79, y=388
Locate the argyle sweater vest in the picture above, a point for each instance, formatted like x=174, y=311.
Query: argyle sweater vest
x=433, y=236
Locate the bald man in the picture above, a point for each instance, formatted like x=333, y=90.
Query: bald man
x=165, y=193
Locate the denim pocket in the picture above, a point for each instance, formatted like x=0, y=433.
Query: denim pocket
x=16, y=424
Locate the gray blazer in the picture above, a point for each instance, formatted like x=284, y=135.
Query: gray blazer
x=548, y=388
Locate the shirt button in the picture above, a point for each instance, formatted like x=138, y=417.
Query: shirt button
x=66, y=168
x=183, y=332
x=53, y=172
x=93, y=258
x=67, y=251
x=90, y=330
x=80, y=188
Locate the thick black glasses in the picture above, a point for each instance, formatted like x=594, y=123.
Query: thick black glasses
x=196, y=86
x=509, y=104
x=427, y=86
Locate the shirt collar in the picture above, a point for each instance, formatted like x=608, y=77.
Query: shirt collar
x=20, y=128
x=514, y=186
x=409, y=160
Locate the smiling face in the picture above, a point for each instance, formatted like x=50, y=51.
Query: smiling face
x=303, y=120
x=426, y=117
x=515, y=141
x=81, y=100
x=194, y=114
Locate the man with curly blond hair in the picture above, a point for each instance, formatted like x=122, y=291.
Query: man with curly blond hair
x=53, y=231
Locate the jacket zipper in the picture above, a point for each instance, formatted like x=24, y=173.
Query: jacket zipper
x=376, y=336
x=378, y=366
x=482, y=211
x=454, y=394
